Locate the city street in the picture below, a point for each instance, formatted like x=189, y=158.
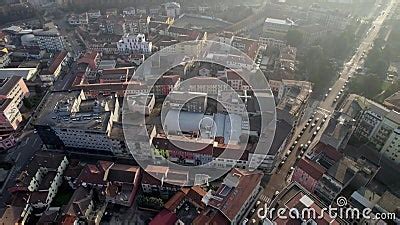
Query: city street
x=279, y=179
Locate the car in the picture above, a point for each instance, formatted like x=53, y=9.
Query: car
x=326, y=116
x=326, y=95
x=287, y=154
x=307, y=124
x=302, y=146
x=330, y=89
x=323, y=120
x=308, y=142
x=304, y=128
x=334, y=100
x=301, y=132
x=292, y=147
x=298, y=137
x=305, y=146
x=313, y=125
x=284, y=158
x=318, y=128
x=315, y=133
x=338, y=96
x=295, y=143
x=291, y=169
x=309, y=120
x=258, y=202
x=316, y=119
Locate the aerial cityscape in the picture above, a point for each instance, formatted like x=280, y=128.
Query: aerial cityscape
x=178, y=112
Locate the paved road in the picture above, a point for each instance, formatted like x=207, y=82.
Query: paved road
x=280, y=178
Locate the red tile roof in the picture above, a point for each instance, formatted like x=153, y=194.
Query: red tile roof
x=328, y=151
x=57, y=60
x=311, y=168
x=231, y=199
x=165, y=217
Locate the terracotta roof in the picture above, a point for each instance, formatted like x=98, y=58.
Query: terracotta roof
x=328, y=151
x=92, y=174
x=165, y=217
x=168, y=80
x=231, y=199
x=311, y=168
x=193, y=194
x=57, y=60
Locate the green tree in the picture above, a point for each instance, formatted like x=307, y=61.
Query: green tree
x=294, y=37
x=369, y=86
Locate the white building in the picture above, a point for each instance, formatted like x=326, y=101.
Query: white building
x=131, y=43
x=79, y=19
x=129, y=11
x=277, y=26
x=173, y=9
x=94, y=14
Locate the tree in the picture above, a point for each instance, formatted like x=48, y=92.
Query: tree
x=368, y=86
x=317, y=68
x=294, y=37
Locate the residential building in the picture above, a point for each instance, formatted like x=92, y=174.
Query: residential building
x=141, y=103
x=295, y=196
x=184, y=206
x=72, y=121
x=26, y=73
x=123, y=183
x=186, y=101
x=163, y=180
x=378, y=199
x=12, y=92
x=291, y=98
x=54, y=70
x=339, y=130
x=16, y=215
x=229, y=204
x=333, y=19
x=129, y=11
x=4, y=58
x=82, y=19
x=391, y=149
x=345, y=174
x=80, y=207
x=94, y=14
x=390, y=122
x=371, y=117
x=277, y=27
x=47, y=38
x=209, y=85
x=131, y=43
x=307, y=173
x=393, y=101
x=172, y=9
x=41, y=178
x=164, y=85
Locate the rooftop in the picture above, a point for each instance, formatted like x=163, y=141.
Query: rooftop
x=68, y=109
x=236, y=189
